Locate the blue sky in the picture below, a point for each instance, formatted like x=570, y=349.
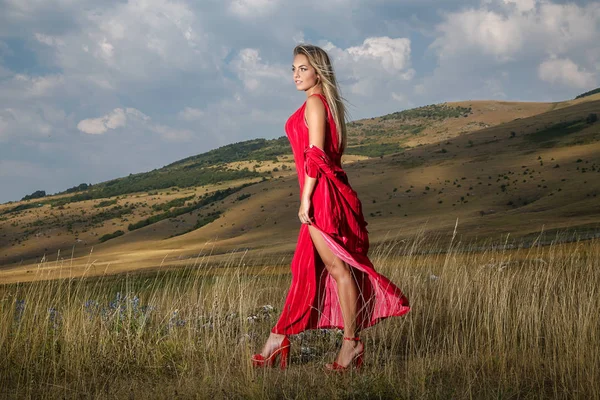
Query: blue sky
x=94, y=90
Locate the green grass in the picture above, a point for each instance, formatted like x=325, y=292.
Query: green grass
x=374, y=149
x=432, y=112
x=254, y=149
x=174, y=212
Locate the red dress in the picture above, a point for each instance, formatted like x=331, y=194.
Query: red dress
x=312, y=301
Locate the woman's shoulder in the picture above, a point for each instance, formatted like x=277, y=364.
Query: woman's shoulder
x=316, y=98
x=317, y=103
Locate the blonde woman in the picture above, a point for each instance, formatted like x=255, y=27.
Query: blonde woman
x=334, y=284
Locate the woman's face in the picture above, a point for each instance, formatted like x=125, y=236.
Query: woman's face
x=304, y=75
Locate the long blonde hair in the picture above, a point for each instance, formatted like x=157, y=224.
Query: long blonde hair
x=319, y=60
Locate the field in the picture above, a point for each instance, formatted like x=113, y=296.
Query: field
x=499, y=168
x=163, y=284
x=495, y=323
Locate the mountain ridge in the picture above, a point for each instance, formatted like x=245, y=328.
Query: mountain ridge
x=417, y=183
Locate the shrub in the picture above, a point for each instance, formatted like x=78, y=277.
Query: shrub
x=108, y=236
x=244, y=196
x=35, y=195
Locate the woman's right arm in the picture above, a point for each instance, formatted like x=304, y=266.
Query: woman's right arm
x=315, y=117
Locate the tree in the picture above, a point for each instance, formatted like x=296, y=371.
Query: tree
x=35, y=195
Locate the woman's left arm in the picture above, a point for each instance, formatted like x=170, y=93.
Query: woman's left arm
x=315, y=117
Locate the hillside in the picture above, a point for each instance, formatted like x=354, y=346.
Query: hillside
x=498, y=167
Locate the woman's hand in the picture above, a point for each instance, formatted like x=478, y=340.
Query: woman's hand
x=303, y=211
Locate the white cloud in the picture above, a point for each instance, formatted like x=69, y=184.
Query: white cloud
x=122, y=43
x=298, y=38
x=255, y=74
x=476, y=46
x=115, y=119
x=522, y=5
x=523, y=26
x=487, y=31
x=38, y=86
x=563, y=28
x=49, y=40
x=393, y=54
x=399, y=97
x=93, y=126
x=105, y=50
x=252, y=8
x=379, y=63
x=566, y=72
x=132, y=119
x=191, y=114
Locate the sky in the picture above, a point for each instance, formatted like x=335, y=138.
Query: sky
x=92, y=90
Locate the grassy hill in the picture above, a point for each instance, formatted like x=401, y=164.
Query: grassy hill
x=499, y=168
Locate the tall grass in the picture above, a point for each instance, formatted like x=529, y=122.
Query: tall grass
x=488, y=324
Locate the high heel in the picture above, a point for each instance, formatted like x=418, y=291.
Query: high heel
x=356, y=361
x=283, y=351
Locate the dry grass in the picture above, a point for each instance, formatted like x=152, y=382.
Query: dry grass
x=490, y=324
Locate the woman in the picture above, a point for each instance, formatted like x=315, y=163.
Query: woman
x=334, y=284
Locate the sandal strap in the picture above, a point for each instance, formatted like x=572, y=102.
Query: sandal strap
x=352, y=338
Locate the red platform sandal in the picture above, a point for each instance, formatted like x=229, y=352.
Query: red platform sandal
x=356, y=361
x=283, y=351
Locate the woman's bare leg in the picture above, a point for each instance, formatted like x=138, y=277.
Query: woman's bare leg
x=347, y=291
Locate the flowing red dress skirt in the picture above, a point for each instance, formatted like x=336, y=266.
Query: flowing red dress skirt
x=312, y=301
